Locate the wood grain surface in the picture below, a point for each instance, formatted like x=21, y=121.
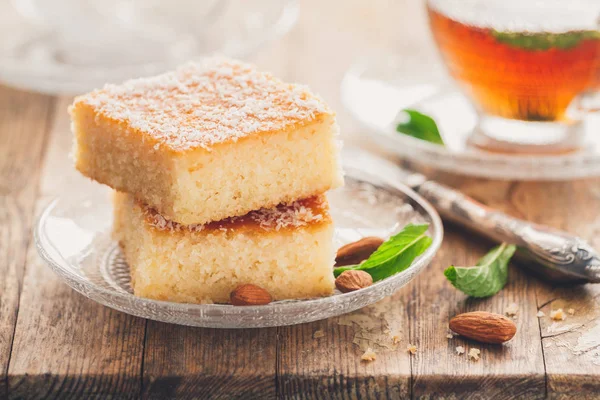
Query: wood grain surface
x=65, y=345
x=54, y=343
x=24, y=121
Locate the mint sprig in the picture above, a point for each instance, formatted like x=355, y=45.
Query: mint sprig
x=487, y=277
x=533, y=41
x=394, y=255
x=420, y=126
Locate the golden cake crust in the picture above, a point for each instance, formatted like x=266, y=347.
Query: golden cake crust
x=203, y=105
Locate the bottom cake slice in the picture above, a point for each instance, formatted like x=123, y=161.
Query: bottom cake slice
x=287, y=250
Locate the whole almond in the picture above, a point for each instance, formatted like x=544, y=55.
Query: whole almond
x=250, y=295
x=484, y=327
x=352, y=280
x=356, y=252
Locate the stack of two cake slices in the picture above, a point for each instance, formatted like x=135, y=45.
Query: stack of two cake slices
x=220, y=172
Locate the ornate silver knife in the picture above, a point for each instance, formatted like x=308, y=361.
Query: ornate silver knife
x=552, y=254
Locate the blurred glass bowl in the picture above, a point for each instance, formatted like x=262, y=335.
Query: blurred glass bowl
x=73, y=46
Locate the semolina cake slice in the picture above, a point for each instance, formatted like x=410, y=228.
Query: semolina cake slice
x=208, y=141
x=287, y=250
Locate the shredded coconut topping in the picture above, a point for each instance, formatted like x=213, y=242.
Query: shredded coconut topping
x=299, y=213
x=201, y=104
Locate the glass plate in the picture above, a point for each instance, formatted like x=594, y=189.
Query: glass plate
x=73, y=237
x=375, y=90
x=73, y=46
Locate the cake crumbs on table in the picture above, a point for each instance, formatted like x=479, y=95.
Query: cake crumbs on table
x=540, y=314
x=368, y=355
x=449, y=336
x=558, y=315
x=511, y=310
x=396, y=338
x=460, y=350
x=318, y=334
x=474, y=353
x=412, y=349
x=571, y=311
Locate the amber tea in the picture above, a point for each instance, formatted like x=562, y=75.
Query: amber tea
x=522, y=75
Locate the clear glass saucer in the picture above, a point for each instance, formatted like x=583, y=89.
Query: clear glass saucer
x=376, y=89
x=73, y=236
x=73, y=46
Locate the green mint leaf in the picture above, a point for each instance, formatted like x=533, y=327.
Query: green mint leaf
x=487, y=277
x=420, y=126
x=394, y=255
x=533, y=41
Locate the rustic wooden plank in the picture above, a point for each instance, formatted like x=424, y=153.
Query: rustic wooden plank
x=322, y=360
x=572, y=346
x=66, y=346
x=513, y=370
x=24, y=122
x=186, y=362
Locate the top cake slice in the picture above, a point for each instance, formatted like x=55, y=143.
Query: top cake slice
x=208, y=141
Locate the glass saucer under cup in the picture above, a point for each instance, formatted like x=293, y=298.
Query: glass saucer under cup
x=377, y=89
x=73, y=235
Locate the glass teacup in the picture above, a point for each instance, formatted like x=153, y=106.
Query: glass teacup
x=530, y=68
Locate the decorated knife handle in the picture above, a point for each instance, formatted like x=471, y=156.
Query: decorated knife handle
x=555, y=254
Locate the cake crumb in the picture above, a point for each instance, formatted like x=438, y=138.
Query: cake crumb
x=396, y=338
x=571, y=311
x=449, y=336
x=460, y=350
x=540, y=314
x=318, y=334
x=511, y=310
x=558, y=315
x=368, y=355
x=474, y=353
x=412, y=349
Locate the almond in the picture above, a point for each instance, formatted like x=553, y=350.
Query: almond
x=352, y=280
x=355, y=253
x=484, y=327
x=250, y=295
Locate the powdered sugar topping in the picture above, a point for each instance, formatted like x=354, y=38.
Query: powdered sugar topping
x=199, y=105
x=294, y=215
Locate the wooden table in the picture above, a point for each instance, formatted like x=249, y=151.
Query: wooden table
x=56, y=343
